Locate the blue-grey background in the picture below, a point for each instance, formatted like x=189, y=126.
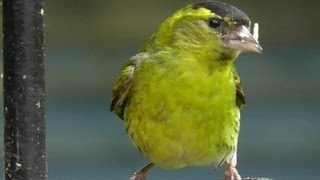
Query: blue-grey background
x=88, y=41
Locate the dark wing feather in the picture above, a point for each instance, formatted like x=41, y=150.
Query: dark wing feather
x=240, y=99
x=121, y=89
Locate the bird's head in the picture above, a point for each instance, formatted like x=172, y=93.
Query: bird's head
x=211, y=26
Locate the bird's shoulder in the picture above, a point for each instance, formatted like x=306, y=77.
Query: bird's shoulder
x=123, y=84
x=240, y=97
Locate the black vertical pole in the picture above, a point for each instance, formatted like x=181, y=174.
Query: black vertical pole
x=24, y=90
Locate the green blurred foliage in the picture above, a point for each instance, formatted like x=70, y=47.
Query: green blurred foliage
x=114, y=23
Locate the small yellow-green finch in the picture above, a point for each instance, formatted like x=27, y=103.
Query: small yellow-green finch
x=180, y=96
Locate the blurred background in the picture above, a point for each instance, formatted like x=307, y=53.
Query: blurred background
x=88, y=41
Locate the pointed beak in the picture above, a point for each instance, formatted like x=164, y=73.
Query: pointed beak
x=242, y=40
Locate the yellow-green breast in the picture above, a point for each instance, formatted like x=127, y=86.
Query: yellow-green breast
x=183, y=112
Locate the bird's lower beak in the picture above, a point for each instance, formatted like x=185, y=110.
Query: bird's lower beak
x=242, y=40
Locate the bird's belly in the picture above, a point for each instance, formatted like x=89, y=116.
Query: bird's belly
x=183, y=123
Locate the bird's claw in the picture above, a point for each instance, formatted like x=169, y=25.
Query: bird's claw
x=138, y=176
x=232, y=174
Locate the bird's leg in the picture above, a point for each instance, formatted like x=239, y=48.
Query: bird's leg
x=140, y=174
x=231, y=173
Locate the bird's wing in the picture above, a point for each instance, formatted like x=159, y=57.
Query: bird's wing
x=240, y=99
x=122, y=88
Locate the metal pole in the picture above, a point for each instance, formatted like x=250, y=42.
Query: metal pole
x=24, y=90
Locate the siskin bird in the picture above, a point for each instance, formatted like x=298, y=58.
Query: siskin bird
x=180, y=96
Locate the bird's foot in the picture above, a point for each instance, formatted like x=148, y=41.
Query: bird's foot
x=138, y=176
x=232, y=174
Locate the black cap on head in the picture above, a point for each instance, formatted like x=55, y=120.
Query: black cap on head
x=223, y=9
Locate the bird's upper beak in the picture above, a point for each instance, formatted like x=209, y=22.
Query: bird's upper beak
x=241, y=39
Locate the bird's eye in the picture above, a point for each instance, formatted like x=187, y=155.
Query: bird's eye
x=214, y=23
